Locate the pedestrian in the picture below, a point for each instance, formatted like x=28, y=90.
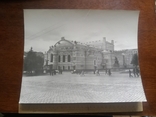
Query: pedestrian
x=130, y=75
x=82, y=73
x=134, y=72
x=60, y=71
x=137, y=72
x=94, y=71
x=54, y=72
x=106, y=71
x=97, y=73
x=109, y=72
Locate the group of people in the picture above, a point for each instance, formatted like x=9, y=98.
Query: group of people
x=108, y=72
x=53, y=72
x=135, y=72
x=97, y=72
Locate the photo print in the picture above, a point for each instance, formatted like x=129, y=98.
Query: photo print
x=81, y=56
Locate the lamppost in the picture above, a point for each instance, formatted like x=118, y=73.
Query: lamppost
x=111, y=59
x=124, y=64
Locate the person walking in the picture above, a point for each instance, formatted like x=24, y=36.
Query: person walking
x=137, y=72
x=97, y=73
x=82, y=73
x=130, y=75
x=106, y=71
x=52, y=72
x=134, y=72
x=60, y=71
x=109, y=72
x=94, y=71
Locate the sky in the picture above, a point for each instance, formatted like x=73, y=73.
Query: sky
x=45, y=27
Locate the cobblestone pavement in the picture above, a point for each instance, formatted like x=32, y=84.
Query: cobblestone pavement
x=73, y=88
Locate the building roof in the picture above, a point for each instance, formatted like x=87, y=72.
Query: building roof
x=64, y=42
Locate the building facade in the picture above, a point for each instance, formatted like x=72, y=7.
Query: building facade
x=70, y=55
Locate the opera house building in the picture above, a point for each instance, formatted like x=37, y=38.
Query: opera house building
x=74, y=55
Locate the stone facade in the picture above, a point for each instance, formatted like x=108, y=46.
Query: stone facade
x=69, y=55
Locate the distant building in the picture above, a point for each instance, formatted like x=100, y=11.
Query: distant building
x=69, y=55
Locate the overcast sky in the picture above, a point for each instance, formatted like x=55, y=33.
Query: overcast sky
x=44, y=27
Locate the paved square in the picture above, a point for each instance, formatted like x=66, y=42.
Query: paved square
x=73, y=88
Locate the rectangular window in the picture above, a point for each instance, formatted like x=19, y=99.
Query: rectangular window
x=51, y=58
x=68, y=58
x=64, y=58
x=68, y=67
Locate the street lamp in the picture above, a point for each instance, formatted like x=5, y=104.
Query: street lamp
x=124, y=64
x=111, y=59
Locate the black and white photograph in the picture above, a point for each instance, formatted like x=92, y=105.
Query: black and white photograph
x=79, y=56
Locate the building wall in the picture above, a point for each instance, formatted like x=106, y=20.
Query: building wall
x=108, y=59
x=93, y=60
x=78, y=58
x=102, y=44
x=109, y=46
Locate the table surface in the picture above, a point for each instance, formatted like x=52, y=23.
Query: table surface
x=12, y=44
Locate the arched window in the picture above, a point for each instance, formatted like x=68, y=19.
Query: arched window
x=68, y=58
x=51, y=59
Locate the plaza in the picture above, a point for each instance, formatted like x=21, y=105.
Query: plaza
x=73, y=88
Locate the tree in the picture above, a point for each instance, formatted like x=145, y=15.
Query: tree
x=39, y=64
x=32, y=62
x=134, y=60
